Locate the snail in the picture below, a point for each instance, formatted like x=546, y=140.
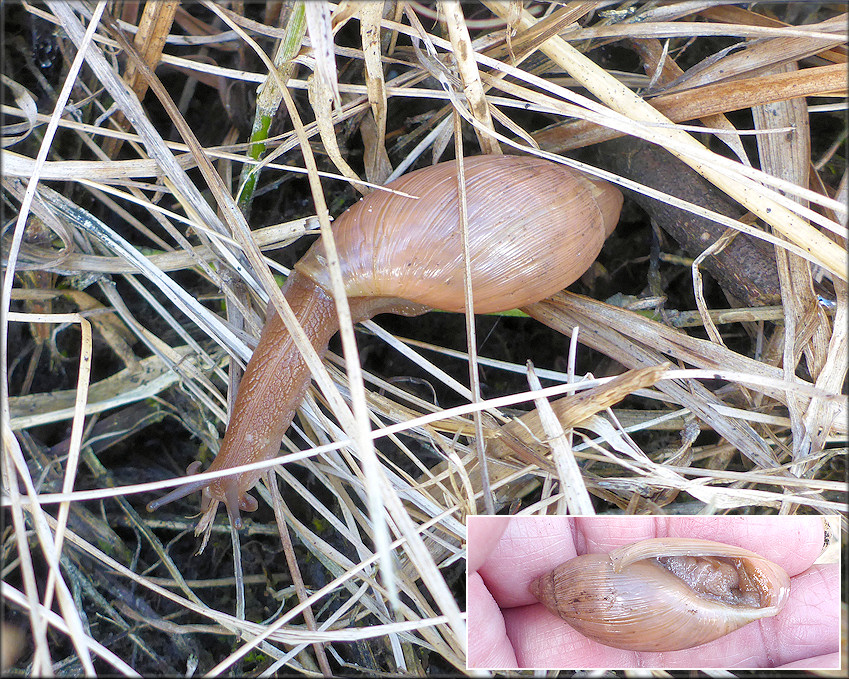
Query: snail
x=534, y=227
x=663, y=594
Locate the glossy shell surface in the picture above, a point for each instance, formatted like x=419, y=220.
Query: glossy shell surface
x=534, y=228
x=664, y=595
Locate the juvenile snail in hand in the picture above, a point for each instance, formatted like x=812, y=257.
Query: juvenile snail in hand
x=664, y=594
x=534, y=227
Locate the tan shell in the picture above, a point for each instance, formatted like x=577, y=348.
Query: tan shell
x=664, y=594
x=534, y=228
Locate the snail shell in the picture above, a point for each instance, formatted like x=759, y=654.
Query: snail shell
x=664, y=594
x=534, y=228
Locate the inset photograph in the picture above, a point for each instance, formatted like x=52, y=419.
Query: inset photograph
x=620, y=592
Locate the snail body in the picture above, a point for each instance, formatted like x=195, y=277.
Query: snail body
x=664, y=594
x=534, y=227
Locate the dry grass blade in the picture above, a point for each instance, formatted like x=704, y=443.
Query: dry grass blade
x=623, y=100
x=26, y=101
x=709, y=100
x=377, y=164
x=166, y=165
x=576, y=499
x=572, y=410
x=154, y=27
x=152, y=376
x=321, y=39
x=472, y=86
x=791, y=48
x=55, y=582
x=11, y=451
x=565, y=312
x=791, y=161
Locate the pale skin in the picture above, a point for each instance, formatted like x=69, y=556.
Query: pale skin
x=508, y=628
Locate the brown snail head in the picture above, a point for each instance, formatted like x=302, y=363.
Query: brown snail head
x=664, y=594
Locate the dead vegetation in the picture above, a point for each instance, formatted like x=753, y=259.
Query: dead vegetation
x=139, y=245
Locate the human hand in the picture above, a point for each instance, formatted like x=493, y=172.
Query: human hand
x=509, y=628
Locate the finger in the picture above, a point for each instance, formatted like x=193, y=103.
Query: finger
x=488, y=645
x=542, y=640
x=483, y=534
x=529, y=547
x=809, y=625
x=828, y=661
